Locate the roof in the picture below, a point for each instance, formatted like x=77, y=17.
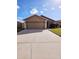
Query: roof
x=47, y=18
x=20, y=21
x=43, y=17
x=32, y=16
x=58, y=20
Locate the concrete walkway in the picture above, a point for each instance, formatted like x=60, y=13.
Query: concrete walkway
x=38, y=44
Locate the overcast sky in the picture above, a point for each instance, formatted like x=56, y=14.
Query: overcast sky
x=49, y=8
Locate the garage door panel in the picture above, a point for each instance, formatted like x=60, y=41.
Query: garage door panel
x=35, y=26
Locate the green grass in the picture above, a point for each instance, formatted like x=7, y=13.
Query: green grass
x=56, y=31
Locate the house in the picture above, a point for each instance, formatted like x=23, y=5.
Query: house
x=39, y=22
x=35, y=22
x=20, y=25
x=58, y=22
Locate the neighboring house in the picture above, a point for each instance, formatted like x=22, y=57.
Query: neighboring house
x=58, y=23
x=39, y=22
x=20, y=25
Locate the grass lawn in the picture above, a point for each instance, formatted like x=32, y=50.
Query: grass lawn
x=57, y=31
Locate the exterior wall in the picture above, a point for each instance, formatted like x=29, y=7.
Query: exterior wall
x=35, y=22
x=24, y=25
x=45, y=24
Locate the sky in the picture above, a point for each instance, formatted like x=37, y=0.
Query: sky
x=49, y=8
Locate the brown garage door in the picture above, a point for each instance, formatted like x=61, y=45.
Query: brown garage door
x=35, y=25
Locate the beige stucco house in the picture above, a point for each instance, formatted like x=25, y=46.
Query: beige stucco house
x=37, y=22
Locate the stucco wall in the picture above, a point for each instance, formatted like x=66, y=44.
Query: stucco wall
x=35, y=22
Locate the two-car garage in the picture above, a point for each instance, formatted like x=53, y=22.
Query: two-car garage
x=35, y=25
x=35, y=22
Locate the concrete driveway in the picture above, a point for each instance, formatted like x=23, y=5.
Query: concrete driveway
x=38, y=44
x=37, y=36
